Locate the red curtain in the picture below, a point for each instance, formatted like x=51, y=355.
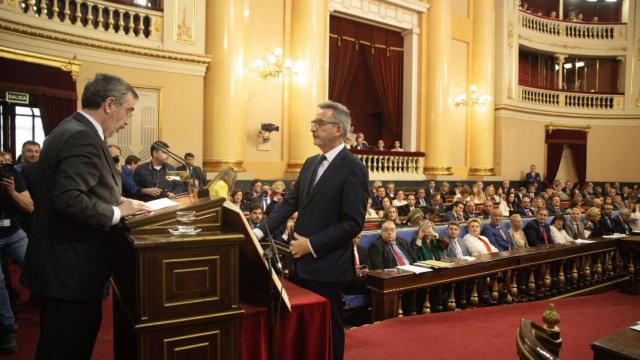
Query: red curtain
x=343, y=59
x=556, y=140
x=53, y=90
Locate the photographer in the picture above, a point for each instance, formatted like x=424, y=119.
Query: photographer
x=14, y=202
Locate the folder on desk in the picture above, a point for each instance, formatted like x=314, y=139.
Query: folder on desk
x=434, y=263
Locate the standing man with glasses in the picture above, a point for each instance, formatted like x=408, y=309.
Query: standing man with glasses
x=71, y=250
x=330, y=196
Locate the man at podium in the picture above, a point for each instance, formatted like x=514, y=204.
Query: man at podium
x=330, y=196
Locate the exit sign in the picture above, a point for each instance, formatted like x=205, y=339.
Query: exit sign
x=17, y=97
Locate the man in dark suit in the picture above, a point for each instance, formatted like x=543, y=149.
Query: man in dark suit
x=538, y=232
x=533, y=177
x=606, y=220
x=78, y=201
x=330, y=196
x=554, y=206
x=431, y=188
x=405, y=209
x=421, y=199
x=469, y=210
x=497, y=236
x=195, y=171
x=621, y=222
x=358, y=285
x=376, y=201
x=525, y=207
x=436, y=203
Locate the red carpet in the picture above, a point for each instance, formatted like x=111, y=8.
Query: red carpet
x=489, y=333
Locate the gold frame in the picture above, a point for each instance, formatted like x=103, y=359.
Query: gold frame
x=69, y=65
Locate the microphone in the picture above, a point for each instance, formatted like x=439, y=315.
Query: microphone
x=173, y=156
x=272, y=245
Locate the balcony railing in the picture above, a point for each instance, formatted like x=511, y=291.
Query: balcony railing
x=571, y=100
x=573, y=30
x=96, y=15
x=392, y=165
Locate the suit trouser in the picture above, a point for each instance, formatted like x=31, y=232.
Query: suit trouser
x=333, y=293
x=68, y=329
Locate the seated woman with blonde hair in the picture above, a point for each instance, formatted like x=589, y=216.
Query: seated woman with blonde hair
x=476, y=243
x=390, y=214
x=426, y=245
x=477, y=196
x=516, y=233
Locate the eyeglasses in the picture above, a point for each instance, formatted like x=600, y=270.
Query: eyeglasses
x=320, y=123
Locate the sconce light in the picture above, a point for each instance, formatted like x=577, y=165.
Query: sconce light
x=275, y=65
x=264, y=135
x=474, y=98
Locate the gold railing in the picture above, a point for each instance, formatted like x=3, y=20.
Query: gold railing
x=571, y=100
x=573, y=30
x=95, y=15
x=390, y=165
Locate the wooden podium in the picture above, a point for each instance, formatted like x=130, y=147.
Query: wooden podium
x=177, y=297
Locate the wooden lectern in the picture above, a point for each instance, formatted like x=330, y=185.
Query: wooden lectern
x=177, y=297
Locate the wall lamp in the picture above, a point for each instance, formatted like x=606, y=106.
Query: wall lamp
x=474, y=98
x=274, y=65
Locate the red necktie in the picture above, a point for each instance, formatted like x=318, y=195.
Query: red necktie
x=544, y=234
x=399, y=258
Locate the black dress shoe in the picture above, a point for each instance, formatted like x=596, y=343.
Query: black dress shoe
x=8, y=343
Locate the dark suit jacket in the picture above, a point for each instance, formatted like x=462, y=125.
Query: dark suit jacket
x=331, y=214
x=553, y=211
x=196, y=173
x=523, y=212
x=491, y=232
x=534, y=235
x=535, y=179
x=404, y=210
x=381, y=256
x=71, y=248
x=620, y=227
x=606, y=225
x=451, y=216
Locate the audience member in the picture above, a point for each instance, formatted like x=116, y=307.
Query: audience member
x=30, y=154
x=621, y=222
x=431, y=188
x=255, y=215
x=553, y=14
x=374, y=188
x=558, y=234
x=525, y=207
x=195, y=172
x=538, y=232
x=509, y=206
x=516, y=233
x=358, y=286
x=490, y=194
x=351, y=137
x=592, y=223
x=445, y=191
x=469, y=210
x=390, y=214
x=380, y=145
x=618, y=203
x=285, y=232
x=385, y=205
x=425, y=244
x=499, y=238
x=456, y=213
x=391, y=190
x=436, y=203
x=455, y=247
x=421, y=199
x=360, y=144
x=634, y=218
x=396, y=146
x=379, y=195
x=399, y=199
x=236, y=199
x=129, y=187
x=255, y=193
x=371, y=212
x=606, y=220
x=477, y=244
x=477, y=196
x=409, y=206
x=554, y=205
x=151, y=176
x=464, y=195
x=574, y=227
x=539, y=204
x=533, y=177
x=485, y=213
x=414, y=218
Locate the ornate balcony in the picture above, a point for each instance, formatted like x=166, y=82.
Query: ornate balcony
x=392, y=165
x=571, y=101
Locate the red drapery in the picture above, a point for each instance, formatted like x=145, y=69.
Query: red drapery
x=351, y=48
x=53, y=89
x=556, y=141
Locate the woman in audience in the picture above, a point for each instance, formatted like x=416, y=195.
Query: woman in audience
x=414, y=218
x=236, y=199
x=445, y=190
x=399, y=200
x=391, y=214
x=490, y=194
x=517, y=235
x=386, y=204
x=477, y=196
x=538, y=203
x=371, y=213
x=464, y=195
x=634, y=219
x=396, y=146
x=476, y=243
x=592, y=223
x=558, y=234
x=426, y=242
x=509, y=206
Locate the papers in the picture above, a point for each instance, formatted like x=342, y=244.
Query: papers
x=614, y=236
x=413, y=269
x=434, y=263
x=468, y=258
x=583, y=241
x=161, y=203
x=635, y=327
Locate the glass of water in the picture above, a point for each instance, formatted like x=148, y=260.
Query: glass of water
x=186, y=220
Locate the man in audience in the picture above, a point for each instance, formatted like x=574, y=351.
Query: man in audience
x=567, y=188
x=505, y=187
x=391, y=190
x=469, y=210
x=538, y=232
x=195, y=172
x=265, y=198
x=30, y=154
x=445, y=191
x=255, y=192
x=618, y=203
x=621, y=222
x=360, y=144
x=436, y=203
x=597, y=203
x=421, y=199
x=376, y=201
x=606, y=220
x=533, y=177
x=456, y=213
x=574, y=227
x=129, y=187
x=587, y=194
x=405, y=209
x=15, y=201
x=487, y=207
x=496, y=235
x=525, y=207
x=456, y=248
x=522, y=192
x=431, y=188
x=358, y=286
x=380, y=146
x=255, y=215
x=559, y=190
x=554, y=206
x=151, y=176
x=531, y=191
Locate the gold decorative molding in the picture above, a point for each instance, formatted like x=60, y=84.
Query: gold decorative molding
x=551, y=127
x=510, y=34
x=564, y=114
x=438, y=170
x=482, y=171
x=219, y=165
x=48, y=34
x=294, y=167
x=69, y=65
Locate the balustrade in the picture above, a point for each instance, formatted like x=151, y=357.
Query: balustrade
x=573, y=30
x=571, y=100
x=391, y=165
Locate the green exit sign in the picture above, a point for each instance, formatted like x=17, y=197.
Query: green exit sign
x=17, y=97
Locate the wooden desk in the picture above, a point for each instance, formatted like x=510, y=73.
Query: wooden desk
x=506, y=277
x=624, y=344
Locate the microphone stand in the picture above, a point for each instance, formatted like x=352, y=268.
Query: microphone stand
x=269, y=254
x=179, y=160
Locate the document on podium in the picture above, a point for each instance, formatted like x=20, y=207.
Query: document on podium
x=161, y=204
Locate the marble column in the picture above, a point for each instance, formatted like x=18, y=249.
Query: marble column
x=560, y=62
x=224, y=100
x=309, y=29
x=481, y=129
x=438, y=136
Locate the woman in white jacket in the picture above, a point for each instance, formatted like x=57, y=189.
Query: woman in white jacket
x=476, y=243
x=558, y=235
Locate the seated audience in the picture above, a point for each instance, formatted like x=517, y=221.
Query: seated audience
x=414, y=218
x=431, y=215
x=371, y=212
x=360, y=144
x=464, y=195
x=358, y=286
x=531, y=192
x=390, y=214
x=129, y=187
x=276, y=195
x=558, y=234
x=455, y=247
x=236, y=199
x=574, y=227
x=195, y=172
x=525, y=207
x=396, y=146
x=504, y=189
x=490, y=194
x=456, y=213
x=254, y=194
x=409, y=206
x=509, y=206
x=436, y=203
x=537, y=231
x=621, y=222
x=597, y=202
x=421, y=199
x=538, y=204
x=477, y=196
x=425, y=244
x=634, y=218
x=606, y=220
x=390, y=189
x=380, y=194
x=469, y=210
x=554, y=205
x=399, y=199
x=255, y=215
x=380, y=146
x=618, y=203
x=516, y=233
x=486, y=210
x=351, y=137
x=285, y=233
x=431, y=188
x=592, y=223
x=445, y=191
x=386, y=204
x=477, y=244
x=495, y=234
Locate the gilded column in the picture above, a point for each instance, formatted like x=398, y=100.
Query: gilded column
x=438, y=160
x=481, y=128
x=560, y=63
x=224, y=86
x=309, y=37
